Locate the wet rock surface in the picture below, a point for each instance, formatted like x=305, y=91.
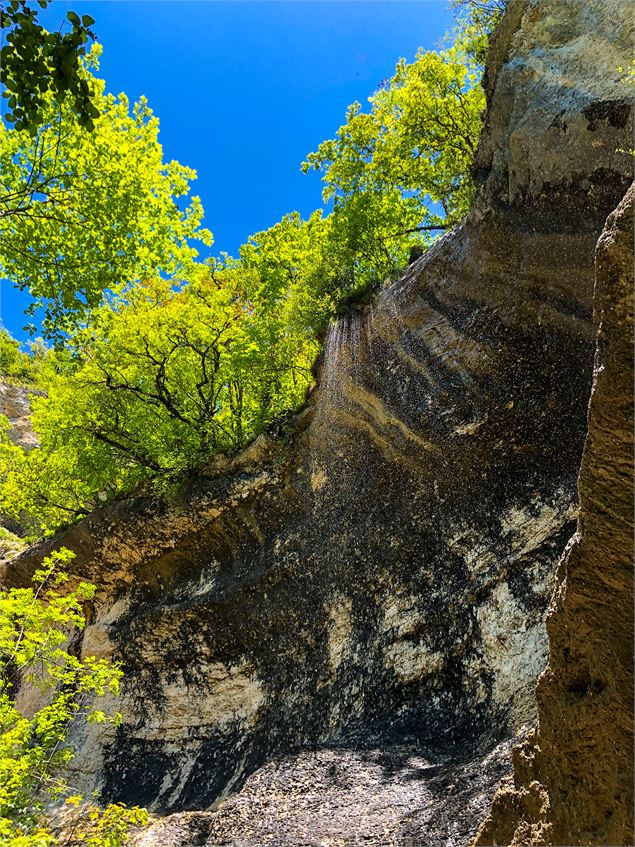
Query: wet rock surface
x=378, y=579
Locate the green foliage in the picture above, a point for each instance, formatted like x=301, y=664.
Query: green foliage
x=288, y=275
x=37, y=66
x=477, y=20
x=393, y=177
x=19, y=367
x=35, y=626
x=627, y=76
x=10, y=543
x=159, y=381
x=11, y=358
x=108, y=827
x=165, y=362
x=404, y=165
x=82, y=213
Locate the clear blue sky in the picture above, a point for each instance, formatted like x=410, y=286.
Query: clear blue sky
x=244, y=90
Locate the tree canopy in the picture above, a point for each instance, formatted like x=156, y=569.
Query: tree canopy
x=82, y=214
x=158, y=382
x=413, y=148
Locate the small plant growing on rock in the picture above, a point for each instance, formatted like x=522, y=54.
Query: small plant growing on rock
x=35, y=625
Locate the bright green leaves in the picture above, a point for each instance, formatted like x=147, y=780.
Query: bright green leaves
x=162, y=379
x=37, y=67
x=418, y=140
x=82, y=214
x=399, y=173
x=36, y=624
x=394, y=176
x=285, y=266
x=477, y=20
x=16, y=366
x=166, y=363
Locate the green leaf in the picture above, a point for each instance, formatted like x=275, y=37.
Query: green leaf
x=87, y=20
x=73, y=17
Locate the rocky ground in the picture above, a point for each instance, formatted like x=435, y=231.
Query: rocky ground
x=386, y=797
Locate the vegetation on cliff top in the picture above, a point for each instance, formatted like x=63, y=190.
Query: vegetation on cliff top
x=161, y=361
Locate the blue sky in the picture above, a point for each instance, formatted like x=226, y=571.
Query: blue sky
x=244, y=90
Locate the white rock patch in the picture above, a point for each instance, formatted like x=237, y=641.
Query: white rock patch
x=412, y=660
x=512, y=650
x=408, y=659
x=528, y=531
x=231, y=694
x=476, y=554
x=340, y=628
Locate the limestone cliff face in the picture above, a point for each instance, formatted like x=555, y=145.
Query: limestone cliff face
x=573, y=777
x=373, y=587
x=15, y=404
x=558, y=112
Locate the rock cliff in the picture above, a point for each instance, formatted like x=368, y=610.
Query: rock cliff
x=15, y=405
x=573, y=777
x=348, y=620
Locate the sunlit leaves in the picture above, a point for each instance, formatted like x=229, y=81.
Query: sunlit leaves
x=35, y=626
x=161, y=380
x=83, y=213
x=418, y=139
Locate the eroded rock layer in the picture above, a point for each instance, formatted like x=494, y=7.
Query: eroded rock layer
x=380, y=576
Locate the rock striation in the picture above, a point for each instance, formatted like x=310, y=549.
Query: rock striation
x=360, y=604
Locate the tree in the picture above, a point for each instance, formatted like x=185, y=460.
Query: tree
x=290, y=279
x=162, y=379
x=164, y=373
x=35, y=625
x=478, y=20
x=415, y=144
x=84, y=214
x=37, y=66
x=16, y=366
